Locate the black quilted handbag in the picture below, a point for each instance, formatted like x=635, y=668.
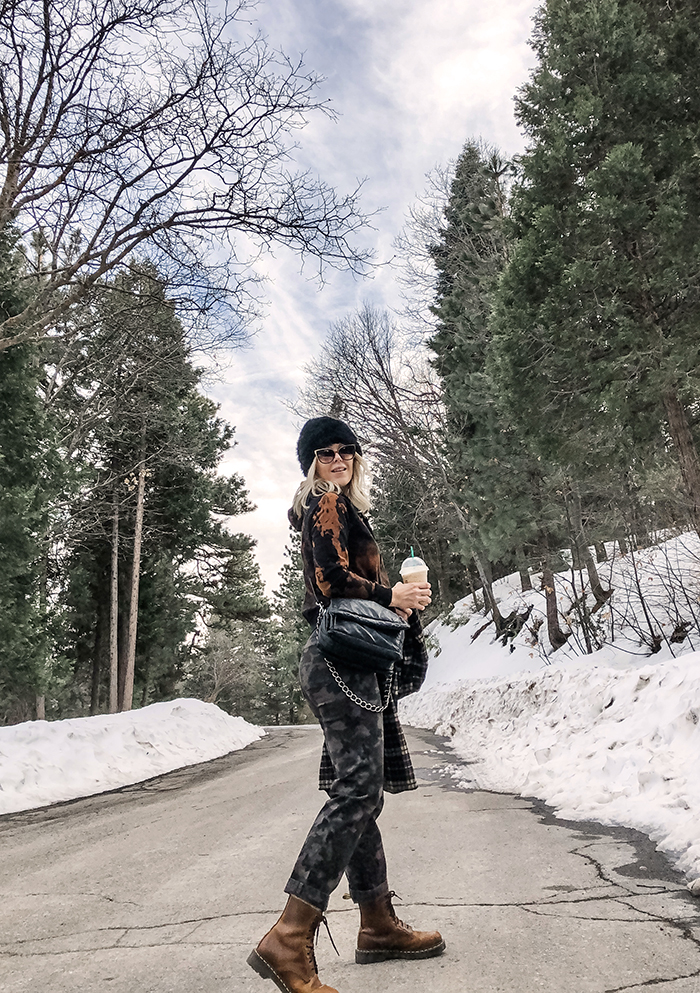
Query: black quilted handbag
x=361, y=634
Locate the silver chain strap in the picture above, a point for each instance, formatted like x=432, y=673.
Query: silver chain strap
x=373, y=707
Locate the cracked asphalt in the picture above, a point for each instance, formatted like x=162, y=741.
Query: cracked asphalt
x=165, y=886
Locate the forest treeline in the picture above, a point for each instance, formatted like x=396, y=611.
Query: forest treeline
x=120, y=583
x=538, y=398
x=535, y=404
x=145, y=152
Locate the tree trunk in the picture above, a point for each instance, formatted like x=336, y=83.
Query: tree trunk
x=123, y=627
x=114, y=608
x=135, y=577
x=525, y=581
x=472, y=588
x=146, y=685
x=42, y=681
x=484, y=569
x=580, y=604
x=440, y=572
x=601, y=553
x=684, y=444
x=100, y=652
x=576, y=561
x=599, y=592
x=95, y=682
x=584, y=552
x=557, y=638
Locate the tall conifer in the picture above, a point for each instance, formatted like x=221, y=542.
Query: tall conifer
x=29, y=472
x=597, y=316
x=495, y=477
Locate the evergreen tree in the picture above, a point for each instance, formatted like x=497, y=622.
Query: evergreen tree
x=292, y=632
x=596, y=321
x=415, y=511
x=147, y=546
x=249, y=663
x=230, y=665
x=495, y=480
x=29, y=478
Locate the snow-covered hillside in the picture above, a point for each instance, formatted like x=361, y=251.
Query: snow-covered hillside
x=43, y=763
x=612, y=736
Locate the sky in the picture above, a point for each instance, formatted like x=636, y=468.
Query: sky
x=410, y=82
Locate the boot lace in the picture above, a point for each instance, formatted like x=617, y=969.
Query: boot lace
x=313, y=940
x=396, y=920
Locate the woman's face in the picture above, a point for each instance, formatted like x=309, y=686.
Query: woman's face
x=339, y=470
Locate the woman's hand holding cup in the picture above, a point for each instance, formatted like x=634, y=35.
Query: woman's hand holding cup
x=413, y=593
x=410, y=596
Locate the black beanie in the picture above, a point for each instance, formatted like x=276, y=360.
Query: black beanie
x=320, y=432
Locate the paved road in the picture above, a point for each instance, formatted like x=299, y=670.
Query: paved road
x=164, y=887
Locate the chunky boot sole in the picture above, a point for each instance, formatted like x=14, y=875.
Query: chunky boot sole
x=257, y=962
x=363, y=957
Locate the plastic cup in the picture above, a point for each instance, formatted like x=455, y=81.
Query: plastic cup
x=414, y=570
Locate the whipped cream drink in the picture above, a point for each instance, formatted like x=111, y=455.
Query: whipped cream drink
x=414, y=570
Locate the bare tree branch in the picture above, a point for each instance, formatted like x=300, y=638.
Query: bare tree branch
x=155, y=124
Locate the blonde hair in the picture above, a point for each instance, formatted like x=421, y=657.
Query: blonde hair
x=357, y=491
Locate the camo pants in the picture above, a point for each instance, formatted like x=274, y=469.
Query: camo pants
x=345, y=837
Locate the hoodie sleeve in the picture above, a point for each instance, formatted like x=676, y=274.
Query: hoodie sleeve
x=330, y=534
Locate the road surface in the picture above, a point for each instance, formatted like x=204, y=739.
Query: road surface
x=164, y=887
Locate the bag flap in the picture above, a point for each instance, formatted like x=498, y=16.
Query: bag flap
x=366, y=612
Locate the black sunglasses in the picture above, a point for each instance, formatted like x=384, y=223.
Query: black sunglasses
x=327, y=455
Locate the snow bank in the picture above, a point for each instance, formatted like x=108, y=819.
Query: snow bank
x=616, y=746
x=666, y=576
x=45, y=762
x=612, y=736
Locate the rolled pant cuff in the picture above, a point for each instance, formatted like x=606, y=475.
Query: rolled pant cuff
x=315, y=898
x=369, y=896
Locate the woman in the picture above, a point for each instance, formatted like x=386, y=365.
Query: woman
x=364, y=749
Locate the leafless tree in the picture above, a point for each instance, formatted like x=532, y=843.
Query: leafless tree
x=376, y=375
x=424, y=228
x=371, y=373
x=158, y=126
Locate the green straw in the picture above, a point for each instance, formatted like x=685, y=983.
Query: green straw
x=412, y=555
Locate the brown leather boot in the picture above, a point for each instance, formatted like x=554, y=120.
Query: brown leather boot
x=286, y=953
x=383, y=936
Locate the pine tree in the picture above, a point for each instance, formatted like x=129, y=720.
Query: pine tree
x=292, y=632
x=596, y=322
x=495, y=478
x=146, y=532
x=29, y=477
x=229, y=664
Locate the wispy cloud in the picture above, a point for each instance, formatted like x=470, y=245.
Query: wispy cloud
x=410, y=82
